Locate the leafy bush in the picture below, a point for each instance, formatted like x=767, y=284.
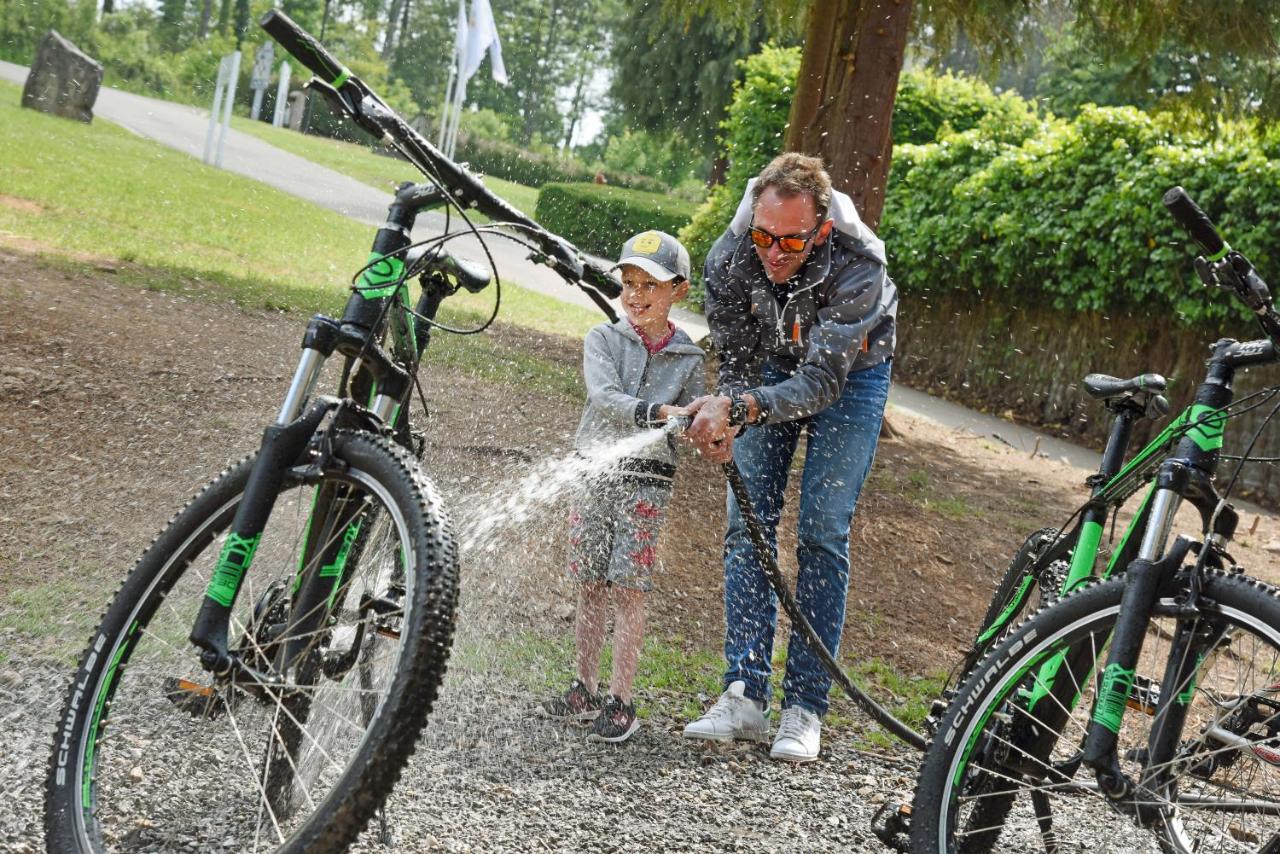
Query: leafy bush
x=928, y=102
x=599, y=218
x=1069, y=216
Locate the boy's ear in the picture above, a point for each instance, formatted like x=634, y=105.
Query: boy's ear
x=681, y=290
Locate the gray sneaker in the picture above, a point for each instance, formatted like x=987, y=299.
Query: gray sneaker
x=799, y=736
x=734, y=716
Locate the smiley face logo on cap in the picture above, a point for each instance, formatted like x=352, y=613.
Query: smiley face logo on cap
x=648, y=242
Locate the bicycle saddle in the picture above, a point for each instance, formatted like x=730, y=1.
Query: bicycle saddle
x=1106, y=387
x=469, y=274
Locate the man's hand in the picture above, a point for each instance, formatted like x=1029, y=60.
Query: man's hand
x=710, y=432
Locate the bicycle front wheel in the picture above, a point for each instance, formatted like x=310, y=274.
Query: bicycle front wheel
x=1004, y=773
x=152, y=754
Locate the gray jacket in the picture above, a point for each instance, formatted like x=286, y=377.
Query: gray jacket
x=839, y=318
x=626, y=385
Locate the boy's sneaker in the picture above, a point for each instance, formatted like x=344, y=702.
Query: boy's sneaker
x=616, y=722
x=576, y=704
x=733, y=716
x=799, y=736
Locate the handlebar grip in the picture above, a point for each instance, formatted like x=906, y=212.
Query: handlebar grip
x=1188, y=214
x=304, y=48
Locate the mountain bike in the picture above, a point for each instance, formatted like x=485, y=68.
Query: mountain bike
x=260, y=679
x=1159, y=726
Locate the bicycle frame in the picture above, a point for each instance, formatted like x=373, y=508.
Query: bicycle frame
x=379, y=300
x=1185, y=474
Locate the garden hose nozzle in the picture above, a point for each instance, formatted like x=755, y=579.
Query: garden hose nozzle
x=677, y=424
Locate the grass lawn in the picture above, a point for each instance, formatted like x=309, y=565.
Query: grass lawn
x=86, y=193
x=361, y=163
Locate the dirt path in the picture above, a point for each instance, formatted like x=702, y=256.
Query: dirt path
x=116, y=403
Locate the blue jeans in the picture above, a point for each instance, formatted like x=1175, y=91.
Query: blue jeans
x=841, y=445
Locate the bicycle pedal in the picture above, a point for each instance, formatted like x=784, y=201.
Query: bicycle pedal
x=892, y=825
x=199, y=701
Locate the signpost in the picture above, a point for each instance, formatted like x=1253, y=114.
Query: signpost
x=261, y=77
x=224, y=94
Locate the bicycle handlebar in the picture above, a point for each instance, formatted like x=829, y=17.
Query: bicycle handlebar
x=1188, y=214
x=366, y=109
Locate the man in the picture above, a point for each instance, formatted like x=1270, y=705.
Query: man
x=802, y=314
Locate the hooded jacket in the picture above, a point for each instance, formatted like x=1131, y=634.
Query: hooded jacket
x=626, y=385
x=838, y=316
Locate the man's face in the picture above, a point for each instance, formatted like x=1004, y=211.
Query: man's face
x=785, y=216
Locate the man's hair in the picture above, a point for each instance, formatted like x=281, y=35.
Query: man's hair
x=794, y=174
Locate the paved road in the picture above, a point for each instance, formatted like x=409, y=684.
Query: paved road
x=184, y=128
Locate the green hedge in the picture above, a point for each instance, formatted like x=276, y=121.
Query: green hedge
x=599, y=218
x=513, y=163
x=1068, y=215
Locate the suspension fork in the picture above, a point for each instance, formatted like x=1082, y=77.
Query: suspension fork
x=282, y=445
x=1144, y=579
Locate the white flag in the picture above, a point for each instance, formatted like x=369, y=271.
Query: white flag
x=483, y=35
x=460, y=37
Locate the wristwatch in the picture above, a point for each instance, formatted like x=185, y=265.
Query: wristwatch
x=738, y=410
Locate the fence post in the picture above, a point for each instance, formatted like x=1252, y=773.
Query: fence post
x=233, y=77
x=218, y=90
x=282, y=95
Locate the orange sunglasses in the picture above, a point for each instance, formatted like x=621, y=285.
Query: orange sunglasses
x=790, y=244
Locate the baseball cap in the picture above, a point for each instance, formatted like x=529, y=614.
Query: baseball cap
x=658, y=254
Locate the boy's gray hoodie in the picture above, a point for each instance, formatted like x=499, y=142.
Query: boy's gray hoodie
x=626, y=385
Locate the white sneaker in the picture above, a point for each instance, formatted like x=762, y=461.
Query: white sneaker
x=733, y=716
x=799, y=736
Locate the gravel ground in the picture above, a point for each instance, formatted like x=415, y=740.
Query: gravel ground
x=490, y=776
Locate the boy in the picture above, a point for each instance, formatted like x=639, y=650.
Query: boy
x=639, y=372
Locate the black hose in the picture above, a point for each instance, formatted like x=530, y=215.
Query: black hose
x=755, y=529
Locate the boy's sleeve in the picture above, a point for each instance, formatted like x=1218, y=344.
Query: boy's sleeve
x=604, y=384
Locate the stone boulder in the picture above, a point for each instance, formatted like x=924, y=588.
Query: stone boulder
x=63, y=81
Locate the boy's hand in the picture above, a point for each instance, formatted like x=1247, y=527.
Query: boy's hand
x=710, y=432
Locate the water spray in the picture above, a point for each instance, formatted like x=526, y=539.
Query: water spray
x=755, y=530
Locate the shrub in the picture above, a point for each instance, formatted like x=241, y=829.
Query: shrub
x=1069, y=217
x=598, y=218
x=928, y=102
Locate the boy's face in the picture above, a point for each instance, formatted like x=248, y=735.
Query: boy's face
x=646, y=300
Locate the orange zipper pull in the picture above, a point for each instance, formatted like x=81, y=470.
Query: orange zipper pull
x=795, y=331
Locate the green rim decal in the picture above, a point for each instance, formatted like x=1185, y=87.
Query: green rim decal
x=108, y=680
x=237, y=554
x=1008, y=611
x=1117, y=682
x=383, y=277
x=991, y=709
x=343, y=77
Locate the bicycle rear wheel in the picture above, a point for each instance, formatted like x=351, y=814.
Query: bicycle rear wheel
x=151, y=753
x=992, y=759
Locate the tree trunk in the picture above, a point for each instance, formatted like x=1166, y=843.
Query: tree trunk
x=206, y=13
x=393, y=20
x=224, y=17
x=108, y=6
x=845, y=92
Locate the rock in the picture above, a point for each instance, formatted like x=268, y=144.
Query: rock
x=63, y=81
x=1273, y=546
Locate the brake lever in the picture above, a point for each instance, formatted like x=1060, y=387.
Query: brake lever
x=333, y=96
